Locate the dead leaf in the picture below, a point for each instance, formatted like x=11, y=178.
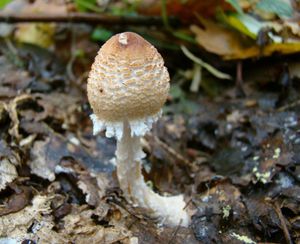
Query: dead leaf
x=230, y=44
x=220, y=206
x=32, y=223
x=3, y=115
x=40, y=34
x=81, y=228
x=8, y=172
x=59, y=106
x=262, y=214
x=12, y=79
x=93, y=185
x=9, y=160
x=13, y=113
x=47, y=155
x=274, y=153
x=18, y=200
x=43, y=160
x=222, y=41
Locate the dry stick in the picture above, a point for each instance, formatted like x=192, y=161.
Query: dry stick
x=172, y=152
x=174, y=234
x=289, y=106
x=87, y=18
x=239, y=79
x=283, y=224
x=69, y=68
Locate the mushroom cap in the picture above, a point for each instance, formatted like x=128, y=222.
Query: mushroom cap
x=128, y=80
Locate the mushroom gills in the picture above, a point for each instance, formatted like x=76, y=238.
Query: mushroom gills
x=138, y=127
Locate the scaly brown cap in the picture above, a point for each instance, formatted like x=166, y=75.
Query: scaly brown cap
x=128, y=79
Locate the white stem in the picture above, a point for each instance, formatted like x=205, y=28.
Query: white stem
x=129, y=154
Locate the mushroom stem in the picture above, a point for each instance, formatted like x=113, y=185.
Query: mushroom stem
x=129, y=153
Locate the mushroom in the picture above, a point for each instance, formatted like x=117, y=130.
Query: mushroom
x=127, y=86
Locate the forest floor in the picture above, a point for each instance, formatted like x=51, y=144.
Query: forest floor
x=234, y=156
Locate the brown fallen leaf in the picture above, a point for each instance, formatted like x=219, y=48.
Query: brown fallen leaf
x=10, y=159
x=274, y=153
x=18, y=200
x=12, y=79
x=93, y=185
x=223, y=41
x=261, y=213
x=3, y=116
x=62, y=210
x=34, y=222
x=8, y=173
x=219, y=205
x=46, y=157
x=60, y=106
x=81, y=228
x=230, y=44
x=11, y=107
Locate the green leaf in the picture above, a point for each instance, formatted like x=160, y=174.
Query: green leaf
x=244, y=23
x=279, y=7
x=87, y=5
x=182, y=104
x=247, y=25
x=79, y=53
x=3, y=3
x=235, y=5
x=164, y=13
x=128, y=8
x=253, y=26
x=183, y=36
x=101, y=34
x=176, y=92
x=188, y=107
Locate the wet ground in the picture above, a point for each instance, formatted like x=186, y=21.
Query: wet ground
x=236, y=158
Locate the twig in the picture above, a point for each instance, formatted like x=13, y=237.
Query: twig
x=239, y=80
x=11, y=46
x=69, y=68
x=197, y=78
x=90, y=18
x=283, y=223
x=175, y=233
x=172, y=152
x=289, y=106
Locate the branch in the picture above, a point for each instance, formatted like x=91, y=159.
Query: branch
x=90, y=18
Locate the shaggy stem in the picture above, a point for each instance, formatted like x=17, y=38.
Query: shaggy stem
x=129, y=154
